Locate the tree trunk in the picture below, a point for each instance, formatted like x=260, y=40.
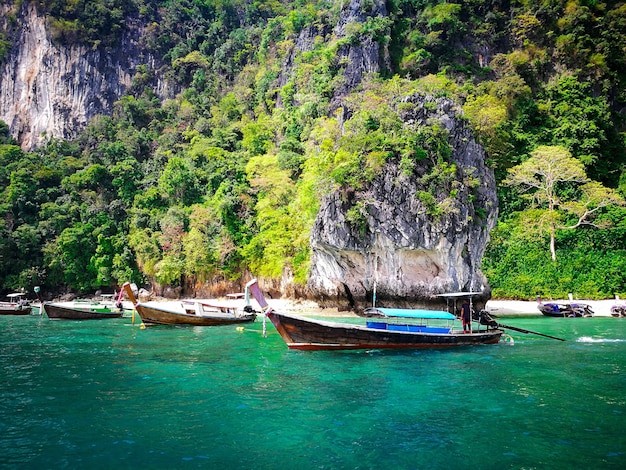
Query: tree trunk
x=552, y=236
x=551, y=205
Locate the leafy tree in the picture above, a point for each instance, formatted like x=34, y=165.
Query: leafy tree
x=544, y=178
x=5, y=135
x=202, y=244
x=70, y=257
x=98, y=22
x=20, y=194
x=577, y=120
x=594, y=198
x=169, y=267
x=257, y=135
x=179, y=183
x=147, y=251
x=270, y=250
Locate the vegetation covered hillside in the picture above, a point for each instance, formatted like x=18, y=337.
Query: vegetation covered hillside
x=227, y=177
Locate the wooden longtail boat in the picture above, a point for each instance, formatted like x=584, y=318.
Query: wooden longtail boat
x=190, y=312
x=309, y=334
x=15, y=306
x=396, y=329
x=83, y=309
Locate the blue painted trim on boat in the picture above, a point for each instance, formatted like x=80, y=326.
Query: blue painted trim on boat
x=409, y=328
x=416, y=313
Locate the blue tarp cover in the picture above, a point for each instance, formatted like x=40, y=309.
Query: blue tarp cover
x=416, y=313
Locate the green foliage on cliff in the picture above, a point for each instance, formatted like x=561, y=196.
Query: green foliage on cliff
x=229, y=175
x=95, y=22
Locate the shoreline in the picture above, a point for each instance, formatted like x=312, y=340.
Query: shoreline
x=497, y=308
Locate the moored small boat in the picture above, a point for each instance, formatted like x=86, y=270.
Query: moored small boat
x=618, y=310
x=81, y=310
x=190, y=312
x=394, y=329
x=16, y=305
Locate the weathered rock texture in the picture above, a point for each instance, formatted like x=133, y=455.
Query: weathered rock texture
x=366, y=55
x=355, y=58
x=405, y=254
x=51, y=91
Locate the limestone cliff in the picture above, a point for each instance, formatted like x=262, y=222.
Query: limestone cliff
x=366, y=55
x=355, y=58
x=400, y=249
x=52, y=91
x=48, y=90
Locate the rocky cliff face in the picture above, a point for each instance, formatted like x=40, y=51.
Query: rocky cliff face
x=366, y=55
x=50, y=91
x=400, y=249
x=358, y=57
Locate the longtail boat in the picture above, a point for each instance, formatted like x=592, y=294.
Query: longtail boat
x=394, y=329
x=189, y=312
x=15, y=306
x=309, y=334
x=84, y=309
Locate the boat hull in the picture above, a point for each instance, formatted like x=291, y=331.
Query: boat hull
x=306, y=334
x=16, y=310
x=155, y=316
x=560, y=314
x=83, y=312
x=618, y=311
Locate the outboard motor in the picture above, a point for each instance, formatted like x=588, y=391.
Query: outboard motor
x=486, y=319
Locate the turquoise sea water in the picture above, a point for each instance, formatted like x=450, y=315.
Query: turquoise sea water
x=107, y=394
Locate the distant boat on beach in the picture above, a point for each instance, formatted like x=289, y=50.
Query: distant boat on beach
x=618, y=310
x=569, y=309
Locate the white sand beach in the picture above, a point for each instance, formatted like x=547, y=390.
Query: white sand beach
x=499, y=308
x=601, y=308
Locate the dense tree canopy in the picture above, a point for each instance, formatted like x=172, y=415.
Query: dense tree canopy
x=228, y=176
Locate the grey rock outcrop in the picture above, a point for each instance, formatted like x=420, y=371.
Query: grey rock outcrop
x=358, y=53
x=365, y=55
x=398, y=250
